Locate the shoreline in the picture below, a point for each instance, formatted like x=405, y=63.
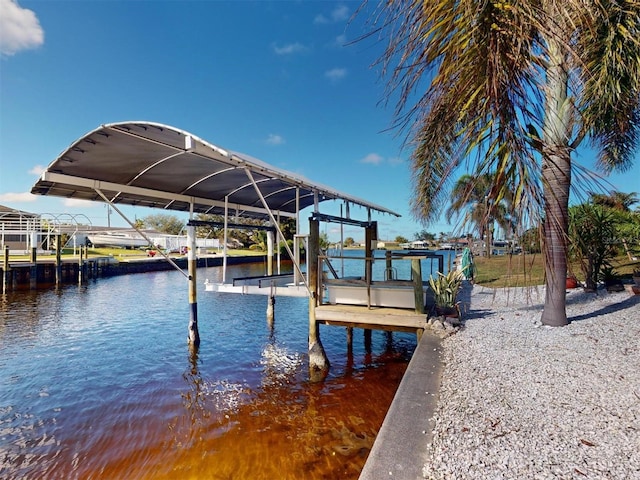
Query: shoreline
x=522, y=400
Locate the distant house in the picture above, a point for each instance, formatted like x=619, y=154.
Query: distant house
x=20, y=231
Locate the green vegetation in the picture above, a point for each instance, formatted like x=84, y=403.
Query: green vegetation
x=511, y=90
x=527, y=270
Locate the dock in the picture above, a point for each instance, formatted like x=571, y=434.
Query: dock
x=376, y=318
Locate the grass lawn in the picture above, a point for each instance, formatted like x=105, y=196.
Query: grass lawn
x=527, y=270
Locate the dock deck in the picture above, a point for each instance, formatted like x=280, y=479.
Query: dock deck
x=378, y=318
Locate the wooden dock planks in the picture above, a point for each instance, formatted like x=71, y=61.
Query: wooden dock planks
x=380, y=318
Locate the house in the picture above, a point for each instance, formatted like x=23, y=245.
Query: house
x=20, y=231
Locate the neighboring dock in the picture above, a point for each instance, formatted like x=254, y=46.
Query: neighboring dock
x=45, y=271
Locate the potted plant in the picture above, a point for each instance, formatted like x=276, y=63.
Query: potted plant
x=445, y=290
x=572, y=282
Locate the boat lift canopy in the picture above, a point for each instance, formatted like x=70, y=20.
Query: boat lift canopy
x=155, y=165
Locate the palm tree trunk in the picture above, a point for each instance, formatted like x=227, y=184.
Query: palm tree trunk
x=556, y=178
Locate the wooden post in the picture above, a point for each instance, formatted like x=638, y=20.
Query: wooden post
x=416, y=276
x=33, y=270
x=271, y=300
x=80, y=266
x=367, y=340
x=271, y=311
x=318, y=361
x=349, y=339
x=194, y=334
x=58, y=259
x=6, y=274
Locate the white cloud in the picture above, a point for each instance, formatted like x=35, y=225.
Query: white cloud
x=11, y=197
x=320, y=19
x=19, y=28
x=340, y=40
x=289, y=49
x=76, y=202
x=274, y=139
x=338, y=14
x=37, y=170
x=373, y=159
x=336, y=74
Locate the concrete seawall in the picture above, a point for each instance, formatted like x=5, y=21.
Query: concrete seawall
x=401, y=446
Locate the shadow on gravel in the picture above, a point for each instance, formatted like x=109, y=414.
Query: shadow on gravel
x=629, y=302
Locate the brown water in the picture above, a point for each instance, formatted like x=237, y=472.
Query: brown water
x=97, y=382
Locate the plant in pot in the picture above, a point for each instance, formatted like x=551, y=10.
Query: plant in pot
x=445, y=291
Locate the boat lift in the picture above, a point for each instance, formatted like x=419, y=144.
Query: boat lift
x=149, y=164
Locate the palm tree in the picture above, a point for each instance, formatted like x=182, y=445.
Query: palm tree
x=621, y=203
x=514, y=88
x=470, y=195
x=617, y=200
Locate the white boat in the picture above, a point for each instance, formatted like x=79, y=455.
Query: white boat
x=117, y=239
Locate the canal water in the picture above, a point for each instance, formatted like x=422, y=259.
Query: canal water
x=97, y=382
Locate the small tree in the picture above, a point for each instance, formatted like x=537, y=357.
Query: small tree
x=164, y=223
x=592, y=233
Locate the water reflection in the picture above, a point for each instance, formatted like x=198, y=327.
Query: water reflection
x=97, y=383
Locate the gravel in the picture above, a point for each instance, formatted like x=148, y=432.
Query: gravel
x=519, y=400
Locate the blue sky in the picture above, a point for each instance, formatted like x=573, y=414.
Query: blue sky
x=278, y=80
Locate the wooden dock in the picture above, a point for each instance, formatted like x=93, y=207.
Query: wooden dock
x=377, y=318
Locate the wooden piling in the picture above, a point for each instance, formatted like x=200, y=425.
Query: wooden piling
x=192, y=262
x=58, y=260
x=33, y=270
x=318, y=361
x=6, y=273
x=416, y=277
x=80, y=279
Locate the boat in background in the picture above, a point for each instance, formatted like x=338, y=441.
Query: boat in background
x=117, y=239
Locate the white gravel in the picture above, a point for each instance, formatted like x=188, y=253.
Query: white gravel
x=523, y=401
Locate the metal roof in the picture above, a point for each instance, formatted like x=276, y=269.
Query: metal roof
x=155, y=165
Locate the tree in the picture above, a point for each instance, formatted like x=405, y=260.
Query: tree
x=401, y=239
x=617, y=200
x=164, y=223
x=349, y=242
x=620, y=203
x=471, y=196
x=517, y=87
x=426, y=236
x=592, y=229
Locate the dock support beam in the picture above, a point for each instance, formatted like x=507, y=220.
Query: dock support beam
x=194, y=334
x=318, y=361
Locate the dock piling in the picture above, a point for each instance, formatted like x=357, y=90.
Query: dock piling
x=33, y=270
x=6, y=273
x=194, y=334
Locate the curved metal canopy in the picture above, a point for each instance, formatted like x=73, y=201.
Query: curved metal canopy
x=154, y=165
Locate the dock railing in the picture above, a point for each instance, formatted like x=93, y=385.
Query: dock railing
x=392, y=270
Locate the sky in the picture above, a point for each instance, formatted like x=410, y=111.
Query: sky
x=287, y=82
